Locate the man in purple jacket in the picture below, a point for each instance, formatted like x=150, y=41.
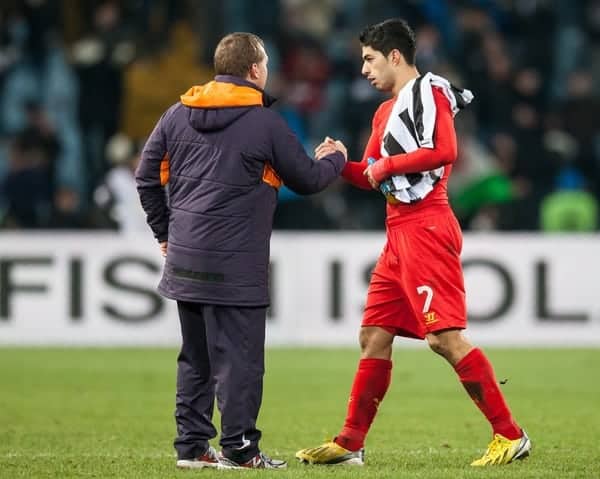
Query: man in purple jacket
x=208, y=181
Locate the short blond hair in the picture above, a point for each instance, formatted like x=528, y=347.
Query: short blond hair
x=237, y=52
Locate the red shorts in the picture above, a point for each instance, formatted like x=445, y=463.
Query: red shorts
x=417, y=286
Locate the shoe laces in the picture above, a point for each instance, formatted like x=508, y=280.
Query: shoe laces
x=266, y=462
x=496, y=446
x=210, y=454
x=260, y=460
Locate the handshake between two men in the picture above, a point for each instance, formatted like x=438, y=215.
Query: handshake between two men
x=329, y=146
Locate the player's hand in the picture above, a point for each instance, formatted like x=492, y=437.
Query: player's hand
x=339, y=145
x=372, y=181
x=330, y=146
x=324, y=149
x=163, y=248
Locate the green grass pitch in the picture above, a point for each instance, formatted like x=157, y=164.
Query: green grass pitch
x=108, y=413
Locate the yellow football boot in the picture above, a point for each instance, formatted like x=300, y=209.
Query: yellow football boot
x=331, y=453
x=504, y=451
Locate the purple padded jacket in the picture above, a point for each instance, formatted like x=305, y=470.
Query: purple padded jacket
x=208, y=180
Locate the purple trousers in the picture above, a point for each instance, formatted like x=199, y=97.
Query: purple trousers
x=222, y=355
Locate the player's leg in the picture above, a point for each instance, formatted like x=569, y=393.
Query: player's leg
x=372, y=377
x=195, y=392
x=370, y=384
x=477, y=376
x=435, y=290
x=238, y=336
x=451, y=344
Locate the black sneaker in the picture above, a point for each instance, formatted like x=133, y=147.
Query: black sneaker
x=260, y=461
x=208, y=459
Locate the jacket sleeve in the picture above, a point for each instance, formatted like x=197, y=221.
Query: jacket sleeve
x=424, y=159
x=151, y=176
x=300, y=172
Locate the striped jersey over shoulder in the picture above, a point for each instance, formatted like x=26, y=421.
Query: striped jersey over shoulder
x=411, y=126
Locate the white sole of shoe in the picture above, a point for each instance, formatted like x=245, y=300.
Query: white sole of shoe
x=355, y=461
x=191, y=464
x=229, y=466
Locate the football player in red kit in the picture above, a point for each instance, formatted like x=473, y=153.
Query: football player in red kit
x=417, y=287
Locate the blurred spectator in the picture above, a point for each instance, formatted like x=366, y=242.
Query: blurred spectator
x=570, y=208
x=118, y=196
x=479, y=183
x=305, y=71
x=92, y=69
x=26, y=193
x=67, y=212
x=99, y=59
x=28, y=188
x=578, y=116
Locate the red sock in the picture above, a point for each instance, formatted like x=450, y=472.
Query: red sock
x=477, y=376
x=370, y=385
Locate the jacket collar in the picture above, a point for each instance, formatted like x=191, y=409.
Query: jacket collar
x=268, y=100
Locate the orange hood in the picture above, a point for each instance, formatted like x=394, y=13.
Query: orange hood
x=216, y=94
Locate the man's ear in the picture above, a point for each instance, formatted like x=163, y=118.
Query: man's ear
x=396, y=57
x=253, y=73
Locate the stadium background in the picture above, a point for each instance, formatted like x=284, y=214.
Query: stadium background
x=81, y=85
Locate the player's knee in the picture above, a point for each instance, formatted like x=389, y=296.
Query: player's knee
x=438, y=345
x=450, y=344
x=369, y=340
x=375, y=343
x=364, y=339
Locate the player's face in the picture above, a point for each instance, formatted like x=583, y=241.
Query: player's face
x=377, y=69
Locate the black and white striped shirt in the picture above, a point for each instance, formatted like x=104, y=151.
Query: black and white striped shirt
x=411, y=126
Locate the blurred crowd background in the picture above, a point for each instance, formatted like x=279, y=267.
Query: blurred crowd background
x=82, y=83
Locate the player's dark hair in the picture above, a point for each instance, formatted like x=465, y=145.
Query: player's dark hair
x=236, y=53
x=391, y=34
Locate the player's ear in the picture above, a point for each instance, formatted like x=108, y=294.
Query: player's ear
x=395, y=57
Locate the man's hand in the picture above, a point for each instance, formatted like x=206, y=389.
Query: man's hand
x=330, y=146
x=368, y=173
x=163, y=248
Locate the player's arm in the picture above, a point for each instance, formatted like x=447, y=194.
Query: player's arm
x=424, y=159
x=354, y=171
x=300, y=172
x=151, y=176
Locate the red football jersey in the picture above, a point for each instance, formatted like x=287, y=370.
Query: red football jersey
x=417, y=286
x=422, y=159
